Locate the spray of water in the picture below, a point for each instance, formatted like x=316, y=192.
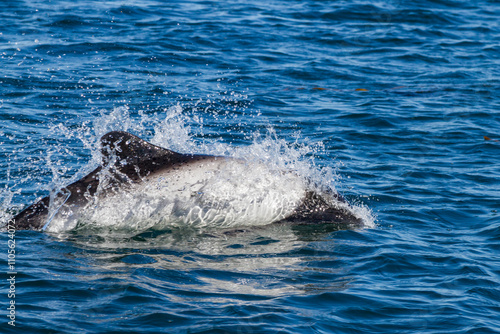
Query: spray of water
x=272, y=166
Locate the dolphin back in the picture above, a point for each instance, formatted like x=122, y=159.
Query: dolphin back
x=128, y=160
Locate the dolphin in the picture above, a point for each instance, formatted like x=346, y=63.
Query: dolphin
x=138, y=181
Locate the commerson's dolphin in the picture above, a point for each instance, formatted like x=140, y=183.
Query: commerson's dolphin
x=140, y=185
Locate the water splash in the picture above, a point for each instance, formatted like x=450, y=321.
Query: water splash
x=183, y=130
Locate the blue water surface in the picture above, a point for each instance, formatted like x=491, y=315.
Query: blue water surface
x=400, y=99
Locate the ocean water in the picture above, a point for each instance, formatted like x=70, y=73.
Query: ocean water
x=395, y=104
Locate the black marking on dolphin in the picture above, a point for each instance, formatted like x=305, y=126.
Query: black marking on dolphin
x=131, y=160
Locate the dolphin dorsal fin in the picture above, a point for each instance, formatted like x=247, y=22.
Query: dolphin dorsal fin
x=122, y=148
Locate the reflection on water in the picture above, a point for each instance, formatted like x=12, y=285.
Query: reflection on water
x=274, y=260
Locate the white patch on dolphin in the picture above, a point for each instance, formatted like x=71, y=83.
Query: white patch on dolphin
x=141, y=186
